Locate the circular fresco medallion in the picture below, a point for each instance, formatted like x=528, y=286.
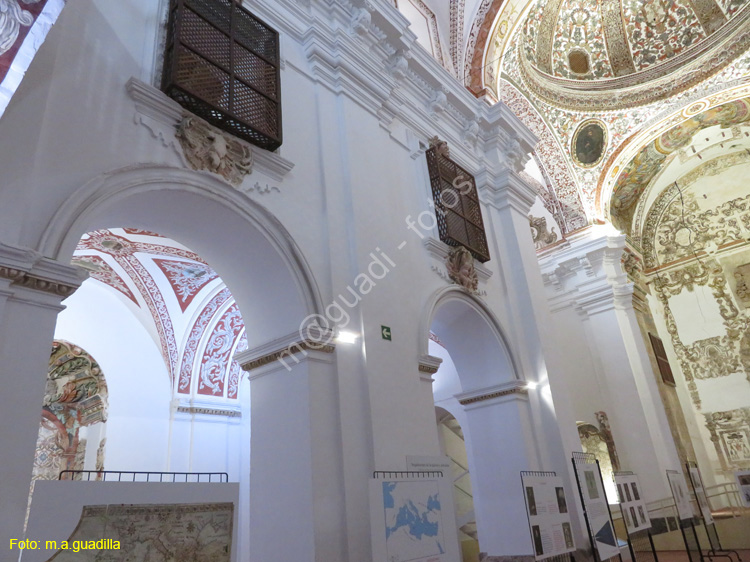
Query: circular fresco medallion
x=589, y=143
x=696, y=108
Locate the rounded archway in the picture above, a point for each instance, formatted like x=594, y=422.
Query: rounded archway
x=246, y=245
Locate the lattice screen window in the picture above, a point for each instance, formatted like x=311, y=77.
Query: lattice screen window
x=661, y=359
x=459, y=215
x=222, y=64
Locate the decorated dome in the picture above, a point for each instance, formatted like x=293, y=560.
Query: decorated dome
x=577, y=52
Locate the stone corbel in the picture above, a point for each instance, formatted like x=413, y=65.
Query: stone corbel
x=438, y=103
x=398, y=64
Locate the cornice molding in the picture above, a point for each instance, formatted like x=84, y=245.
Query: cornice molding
x=26, y=268
x=209, y=411
x=508, y=189
x=290, y=347
x=161, y=115
x=428, y=366
x=515, y=389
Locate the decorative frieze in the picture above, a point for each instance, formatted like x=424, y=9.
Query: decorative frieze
x=208, y=411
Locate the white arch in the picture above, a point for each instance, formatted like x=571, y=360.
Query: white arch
x=249, y=248
x=481, y=328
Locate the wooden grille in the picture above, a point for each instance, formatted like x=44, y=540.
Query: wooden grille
x=661, y=359
x=222, y=64
x=457, y=209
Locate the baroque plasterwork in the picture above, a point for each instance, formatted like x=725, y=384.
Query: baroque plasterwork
x=541, y=236
x=207, y=148
x=644, y=167
x=730, y=433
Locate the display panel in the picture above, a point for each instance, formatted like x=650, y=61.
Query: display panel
x=632, y=503
x=549, y=520
x=597, y=509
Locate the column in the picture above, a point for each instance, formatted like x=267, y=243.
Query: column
x=297, y=509
x=499, y=446
x=636, y=412
x=31, y=289
x=508, y=198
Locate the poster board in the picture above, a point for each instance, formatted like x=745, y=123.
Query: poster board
x=680, y=494
x=549, y=520
x=595, y=503
x=743, y=485
x=412, y=520
x=700, y=493
x=632, y=503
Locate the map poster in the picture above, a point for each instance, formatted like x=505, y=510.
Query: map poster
x=597, y=509
x=412, y=520
x=549, y=520
x=632, y=503
x=700, y=494
x=743, y=485
x=680, y=494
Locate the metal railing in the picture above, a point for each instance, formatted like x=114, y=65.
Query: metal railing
x=143, y=476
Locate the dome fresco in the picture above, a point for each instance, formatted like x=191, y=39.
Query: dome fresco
x=574, y=49
x=619, y=38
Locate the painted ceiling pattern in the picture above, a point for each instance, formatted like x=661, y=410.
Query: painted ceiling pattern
x=178, y=299
x=15, y=22
x=648, y=32
x=583, y=32
x=635, y=178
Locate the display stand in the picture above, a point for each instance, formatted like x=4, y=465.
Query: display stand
x=640, y=542
x=527, y=475
x=595, y=507
x=699, y=490
x=686, y=515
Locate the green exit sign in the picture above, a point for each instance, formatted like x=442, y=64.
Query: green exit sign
x=385, y=331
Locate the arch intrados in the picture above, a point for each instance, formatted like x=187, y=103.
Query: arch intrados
x=464, y=307
x=243, y=242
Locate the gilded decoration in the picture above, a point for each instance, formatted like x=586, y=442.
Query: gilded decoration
x=730, y=434
x=207, y=148
x=589, y=143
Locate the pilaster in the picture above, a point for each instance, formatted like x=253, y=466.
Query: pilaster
x=31, y=290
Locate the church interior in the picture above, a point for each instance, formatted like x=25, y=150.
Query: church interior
x=363, y=280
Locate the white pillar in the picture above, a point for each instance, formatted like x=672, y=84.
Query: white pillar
x=297, y=509
x=636, y=412
x=31, y=289
x=554, y=436
x=499, y=446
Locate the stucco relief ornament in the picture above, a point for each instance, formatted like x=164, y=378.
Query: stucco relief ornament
x=12, y=17
x=460, y=265
x=207, y=148
x=539, y=233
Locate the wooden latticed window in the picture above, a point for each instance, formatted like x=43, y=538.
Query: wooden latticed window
x=222, y=64
x=661, y=359
x=457, y=209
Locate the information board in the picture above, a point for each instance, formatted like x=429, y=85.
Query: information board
x=743, y=485
x=597, y=509
x=632, y=503
x=412, y=519
x=549, y=520
x=700, y=494
x=680, y=494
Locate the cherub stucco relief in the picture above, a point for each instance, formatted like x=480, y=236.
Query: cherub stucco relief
x=12, y=17
x=207, y=148
x=460, y=265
